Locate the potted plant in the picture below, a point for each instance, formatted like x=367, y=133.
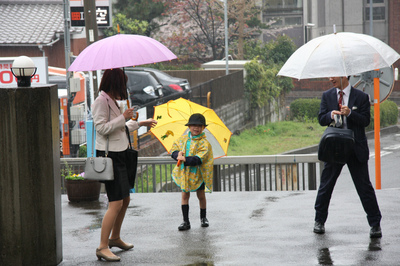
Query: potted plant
x=79, y=189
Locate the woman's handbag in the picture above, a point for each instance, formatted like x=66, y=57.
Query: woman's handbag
x=131, y=161
x=99, y=168
x=336, y=145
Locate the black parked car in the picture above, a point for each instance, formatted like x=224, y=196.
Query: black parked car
x=144, y=86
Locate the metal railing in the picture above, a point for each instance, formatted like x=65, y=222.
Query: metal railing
x=231, y=173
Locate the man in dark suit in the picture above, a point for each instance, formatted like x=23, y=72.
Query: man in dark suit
x=354, y=110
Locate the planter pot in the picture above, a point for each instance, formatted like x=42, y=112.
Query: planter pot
x=82, y=190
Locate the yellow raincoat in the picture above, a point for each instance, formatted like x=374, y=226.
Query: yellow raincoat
x=190, y=178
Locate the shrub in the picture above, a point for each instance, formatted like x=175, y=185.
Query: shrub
x=388, y=112
x=303, y=109
x=262, y=83
x=82, y=151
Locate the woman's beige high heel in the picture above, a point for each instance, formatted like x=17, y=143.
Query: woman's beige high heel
x=119, y=243
x=100, y=255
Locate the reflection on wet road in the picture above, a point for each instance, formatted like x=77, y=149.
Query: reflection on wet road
x=246, y=228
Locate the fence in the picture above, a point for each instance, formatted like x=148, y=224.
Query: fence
x=231, y=173
x=224, y=89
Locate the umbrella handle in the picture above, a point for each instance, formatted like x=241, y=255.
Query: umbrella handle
x=179, y=163
x=137, y=114
x=136, y=117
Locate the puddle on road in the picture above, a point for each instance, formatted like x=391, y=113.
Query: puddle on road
x=257, y=213
x=350, y=255
x=87, y=205
x=271, y=199
x=201, y=264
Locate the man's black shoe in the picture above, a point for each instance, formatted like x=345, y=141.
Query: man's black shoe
x=204, y=222
x=376, y=232
x=184, y=226
x=319, y=228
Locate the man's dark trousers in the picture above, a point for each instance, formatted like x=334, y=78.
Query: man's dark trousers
x=360, y=176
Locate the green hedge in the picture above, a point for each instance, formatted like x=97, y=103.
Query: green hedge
x=307, y=109
x=303, y=109
x=388, y=112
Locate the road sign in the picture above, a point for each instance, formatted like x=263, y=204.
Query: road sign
x=103, y=17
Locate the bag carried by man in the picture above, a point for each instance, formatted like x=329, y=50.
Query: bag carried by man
x=336, y=145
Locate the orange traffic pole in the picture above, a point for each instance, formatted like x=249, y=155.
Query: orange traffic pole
x=377, y=129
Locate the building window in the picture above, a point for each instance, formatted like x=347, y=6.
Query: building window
x=284, y=21
x=293, y=21
x=283, y=4
x=283, y=12
x=378, y=10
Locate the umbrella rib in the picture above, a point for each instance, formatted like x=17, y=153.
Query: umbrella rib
x=306, y=61
x=177, y=110
x=342, y=55
x=313, y=52
x=377, y=52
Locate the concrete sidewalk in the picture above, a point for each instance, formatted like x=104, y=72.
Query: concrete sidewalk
x=246, y=228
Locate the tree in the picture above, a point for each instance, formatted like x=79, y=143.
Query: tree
x=274, y=52
x=142, y=10
x=126, y=26
x=243, y=13
x=199, y=25
x=262, y=82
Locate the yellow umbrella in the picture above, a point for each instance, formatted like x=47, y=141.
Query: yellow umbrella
x=172, y=117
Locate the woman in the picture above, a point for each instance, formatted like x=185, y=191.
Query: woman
x=110, y=121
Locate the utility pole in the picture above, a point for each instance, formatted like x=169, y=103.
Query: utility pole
x=67, y=44
x=92, y=34
x=68, y=75
x=226, y=37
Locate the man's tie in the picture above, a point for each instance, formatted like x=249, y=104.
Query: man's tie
x=340, y=99
x=342, y=119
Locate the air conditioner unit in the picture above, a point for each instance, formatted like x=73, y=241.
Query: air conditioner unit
x=78, y=136
x=77, y=113
x=74, y=85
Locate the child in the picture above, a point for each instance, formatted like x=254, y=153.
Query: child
x=195, y=170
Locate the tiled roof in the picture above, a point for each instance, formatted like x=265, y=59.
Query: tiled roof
x=31, y=22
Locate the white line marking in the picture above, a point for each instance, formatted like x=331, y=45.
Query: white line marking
x=393, y=147
x=383, y=153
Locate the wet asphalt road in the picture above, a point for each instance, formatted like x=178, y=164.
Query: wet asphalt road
x=246, y=228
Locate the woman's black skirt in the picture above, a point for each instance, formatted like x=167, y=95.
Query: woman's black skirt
x=117, y=189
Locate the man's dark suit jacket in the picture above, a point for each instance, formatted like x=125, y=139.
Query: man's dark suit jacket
x=357, y=121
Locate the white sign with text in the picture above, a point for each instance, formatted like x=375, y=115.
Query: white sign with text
x=7, y=78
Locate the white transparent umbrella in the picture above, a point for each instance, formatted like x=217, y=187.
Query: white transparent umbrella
x=338, y=55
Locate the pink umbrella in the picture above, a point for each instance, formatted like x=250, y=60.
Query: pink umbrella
x=121, y=50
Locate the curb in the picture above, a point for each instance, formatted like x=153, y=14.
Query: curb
x=370, y=135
